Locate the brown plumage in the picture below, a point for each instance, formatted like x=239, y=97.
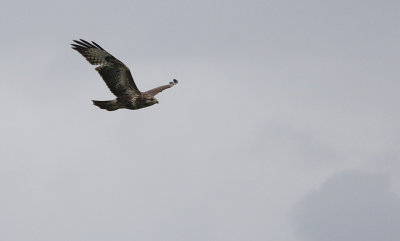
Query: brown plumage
x=118, y=78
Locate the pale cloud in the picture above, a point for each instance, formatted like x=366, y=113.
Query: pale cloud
x=274, y=98
x=349, y=206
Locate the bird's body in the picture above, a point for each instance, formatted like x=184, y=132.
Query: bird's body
x=118, y=79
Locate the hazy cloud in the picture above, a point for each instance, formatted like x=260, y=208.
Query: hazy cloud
x=274, y=97
x=347, y=207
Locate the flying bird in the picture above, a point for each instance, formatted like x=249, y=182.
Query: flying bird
x=118, y=79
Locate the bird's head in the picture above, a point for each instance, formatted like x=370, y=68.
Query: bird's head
x=151, y=100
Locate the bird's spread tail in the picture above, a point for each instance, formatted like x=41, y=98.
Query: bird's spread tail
x=109, y=105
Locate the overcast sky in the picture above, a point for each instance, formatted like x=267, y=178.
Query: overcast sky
x=284, y=125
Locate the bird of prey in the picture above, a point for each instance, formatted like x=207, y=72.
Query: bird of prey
x=118, y=79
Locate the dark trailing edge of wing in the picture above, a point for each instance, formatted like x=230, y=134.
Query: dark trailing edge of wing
x=85, y=44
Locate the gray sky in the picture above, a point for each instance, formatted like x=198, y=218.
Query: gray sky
x=349, y=206
x=282, y=107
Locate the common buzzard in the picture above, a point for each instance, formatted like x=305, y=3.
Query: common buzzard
x=118, y=79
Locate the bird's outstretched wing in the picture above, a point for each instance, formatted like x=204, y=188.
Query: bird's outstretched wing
x=157, y=90
x=116, y=75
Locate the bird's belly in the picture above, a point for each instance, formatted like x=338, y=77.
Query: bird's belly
x=136, y=105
